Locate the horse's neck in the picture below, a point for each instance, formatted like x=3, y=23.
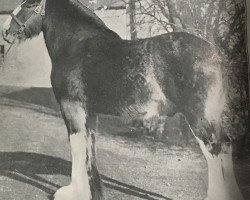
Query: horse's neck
x=62, y=30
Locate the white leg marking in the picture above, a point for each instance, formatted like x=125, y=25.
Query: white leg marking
x=79, y=187
x=222, y=183
x=157, y=95
x=215, y=102
x=80, y=178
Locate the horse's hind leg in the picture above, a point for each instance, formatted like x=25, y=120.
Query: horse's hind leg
x=222, y=183
x=85, y=180
x=217, y=149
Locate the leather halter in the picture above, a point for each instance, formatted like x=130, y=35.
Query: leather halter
x=40, y=9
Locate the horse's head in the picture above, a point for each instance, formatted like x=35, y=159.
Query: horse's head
x=25, y=21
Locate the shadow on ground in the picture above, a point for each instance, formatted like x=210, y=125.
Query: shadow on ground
x=35, y=95
x=42, y=100
x=38, y=99
x=27, y=168
x=30, y=167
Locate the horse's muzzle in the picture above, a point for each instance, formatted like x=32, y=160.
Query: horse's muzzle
x=8, y=37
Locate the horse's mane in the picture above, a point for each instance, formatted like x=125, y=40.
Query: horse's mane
x=87, y=12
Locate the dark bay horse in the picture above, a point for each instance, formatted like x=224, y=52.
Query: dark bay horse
x=95, y=71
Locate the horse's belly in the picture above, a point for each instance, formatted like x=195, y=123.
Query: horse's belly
x=155, y=104
x=148, y=116
x=132, y=100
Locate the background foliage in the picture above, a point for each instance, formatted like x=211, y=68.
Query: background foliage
x=221, y=22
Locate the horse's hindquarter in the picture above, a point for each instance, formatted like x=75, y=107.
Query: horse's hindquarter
x=191, y=68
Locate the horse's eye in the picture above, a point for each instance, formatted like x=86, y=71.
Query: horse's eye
x=30, y=5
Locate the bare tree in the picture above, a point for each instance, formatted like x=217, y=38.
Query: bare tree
x=131, y=9
x=221, y=22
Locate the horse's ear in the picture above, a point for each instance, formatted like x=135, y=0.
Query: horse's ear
x=86, y=11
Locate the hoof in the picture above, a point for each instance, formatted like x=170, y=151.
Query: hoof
x=71, y=193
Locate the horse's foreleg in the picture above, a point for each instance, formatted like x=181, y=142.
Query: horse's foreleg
x=84, y=173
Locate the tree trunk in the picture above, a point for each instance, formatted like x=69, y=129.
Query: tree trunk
x=174, y=16
x=131, y=11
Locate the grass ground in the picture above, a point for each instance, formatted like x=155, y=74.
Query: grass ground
x=35, y=157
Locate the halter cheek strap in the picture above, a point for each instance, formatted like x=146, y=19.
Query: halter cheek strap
x=16, y=20
x=38, y=10
x=41, y=8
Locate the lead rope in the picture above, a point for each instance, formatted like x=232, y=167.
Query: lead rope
x=11, y=45
x=6, y=54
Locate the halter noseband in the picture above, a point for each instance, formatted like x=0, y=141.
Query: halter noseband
x=40, y=9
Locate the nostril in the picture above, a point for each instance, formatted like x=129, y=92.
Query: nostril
x=6, y=35
x=7, y=32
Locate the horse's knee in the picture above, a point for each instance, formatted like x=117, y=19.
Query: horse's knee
x=74, y=115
